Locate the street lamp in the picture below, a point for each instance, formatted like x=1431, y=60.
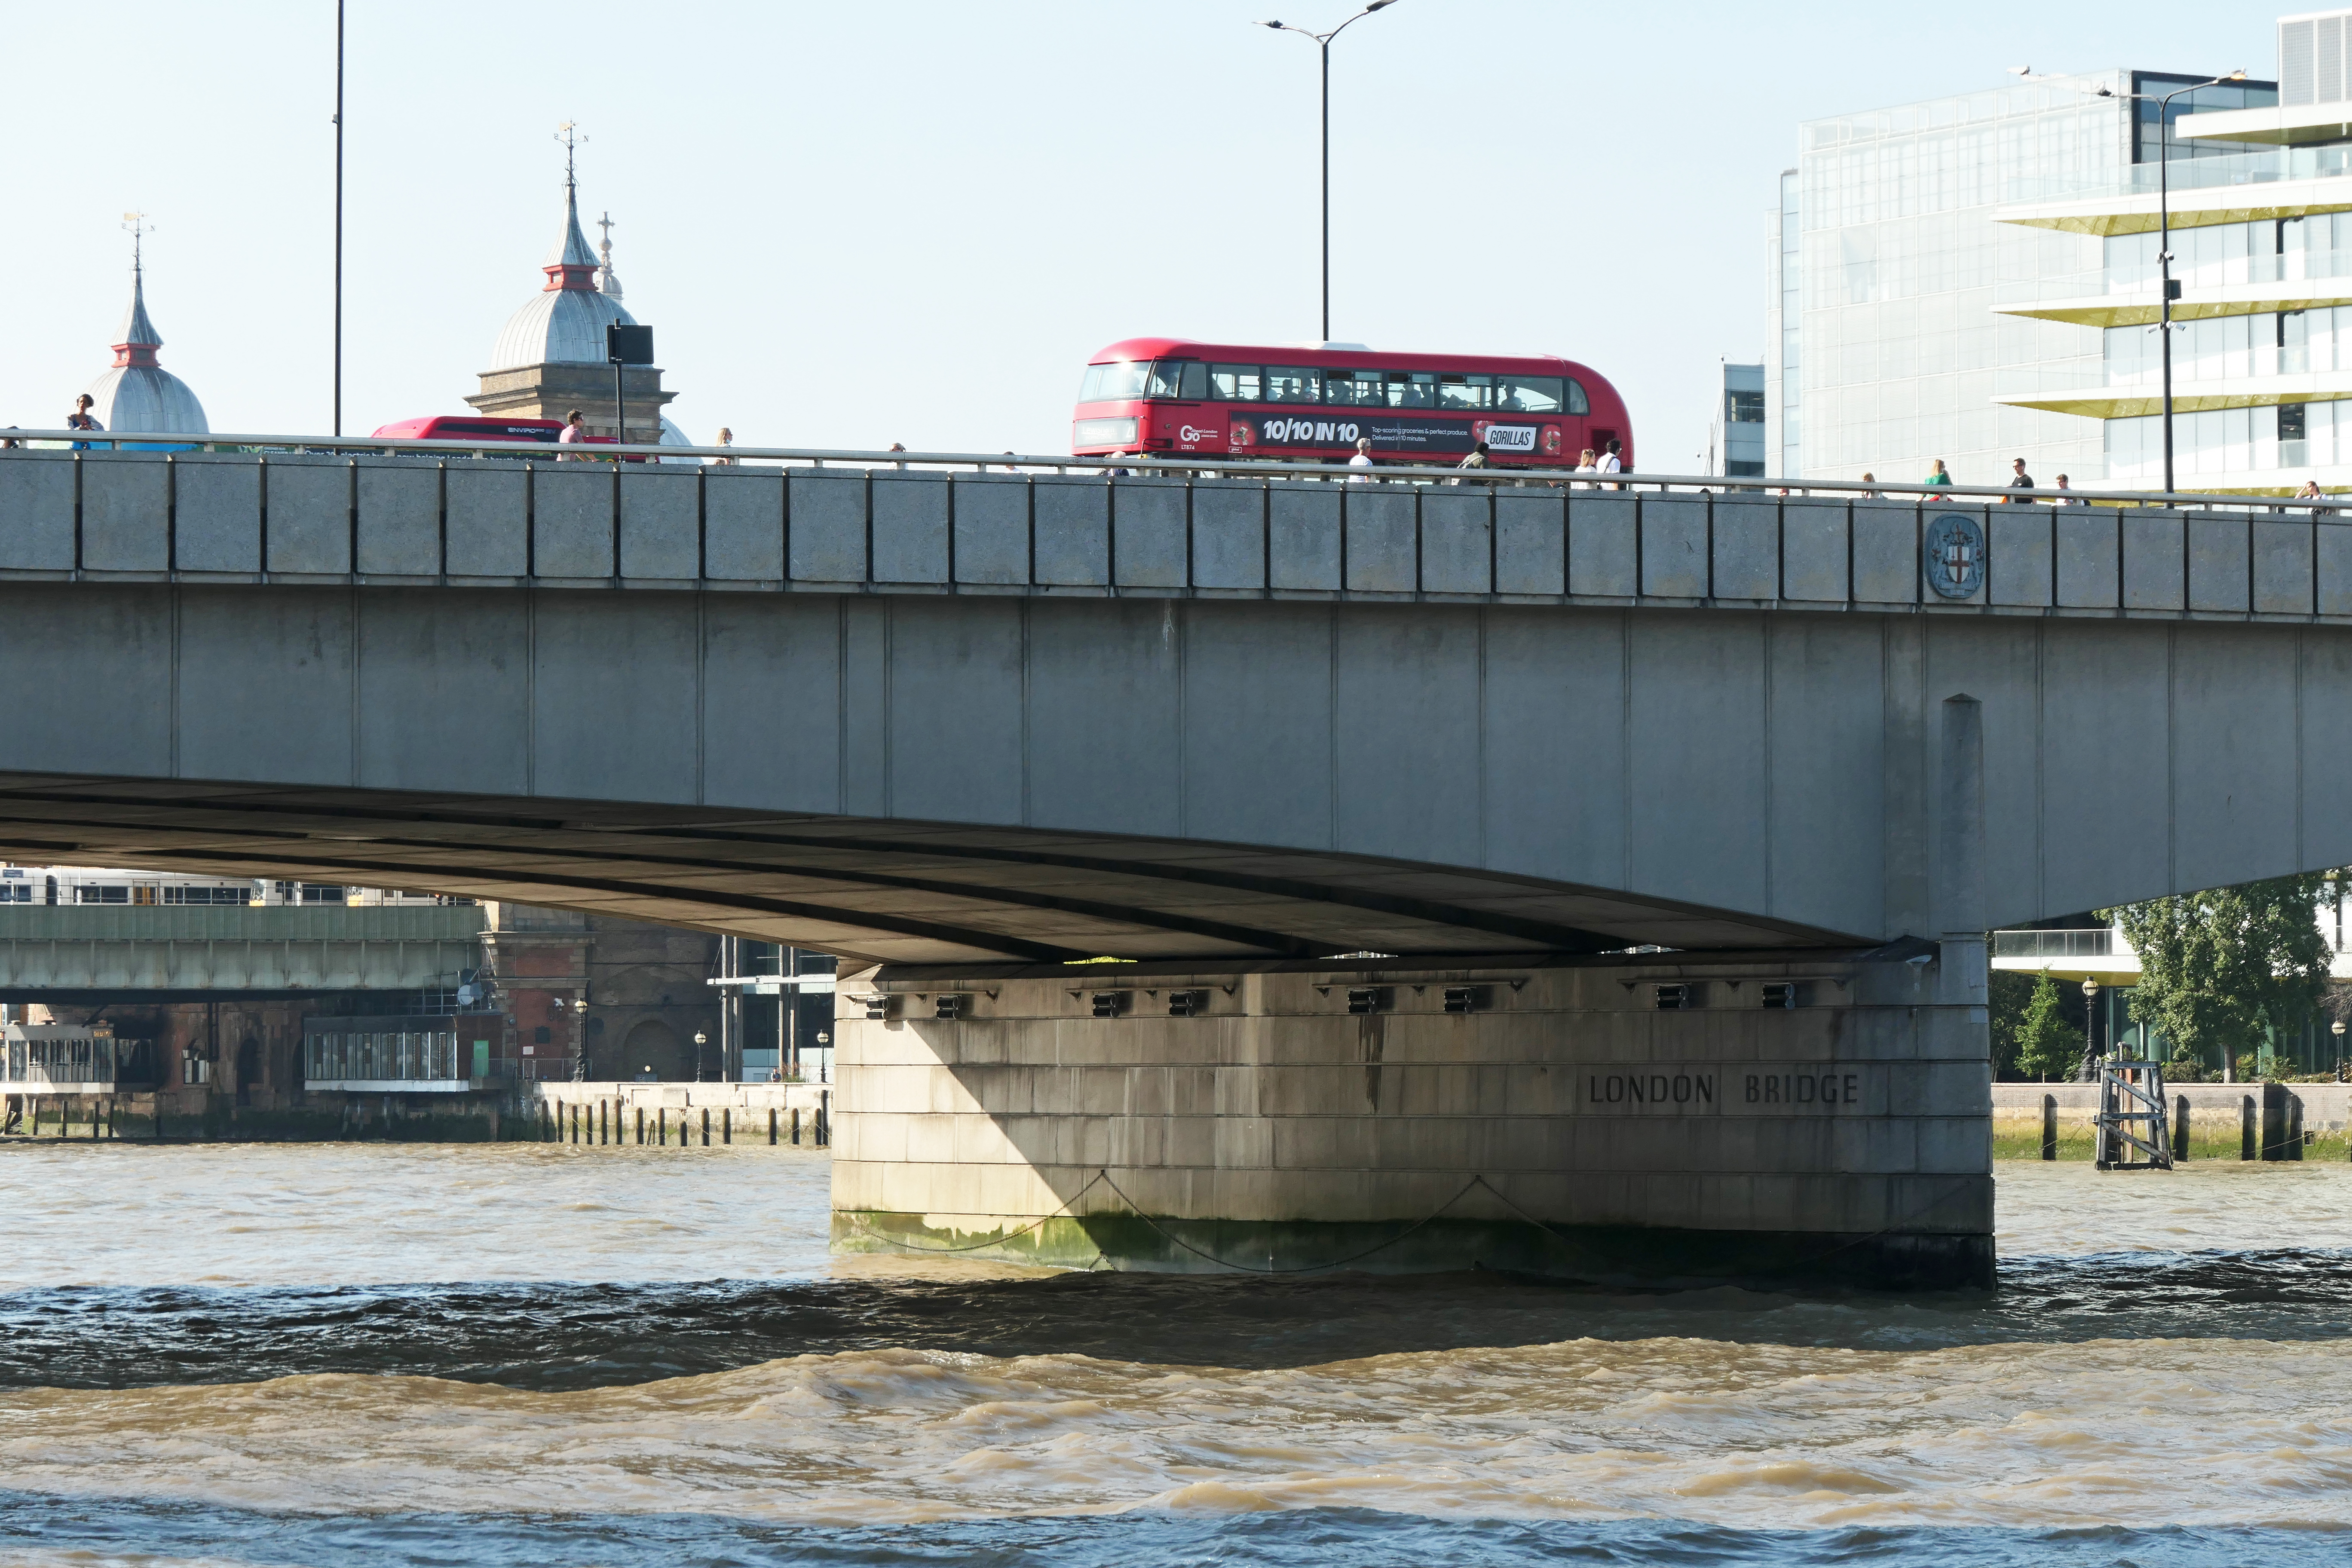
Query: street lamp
x=2090, y=1071
x=2171, y=291
x=699, y=1041
x=1323, y=43
x=2337, y=1029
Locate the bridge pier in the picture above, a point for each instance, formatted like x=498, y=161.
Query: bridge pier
x=1669, y=1118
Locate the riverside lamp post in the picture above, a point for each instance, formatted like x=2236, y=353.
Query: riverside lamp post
x=1323, y=44
x=2171, y=289
x=2337, y=1029
x=2090, y=1073
x=700, y=1039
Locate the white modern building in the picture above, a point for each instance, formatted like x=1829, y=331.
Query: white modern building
x=1943, y=275
x=2261, y=245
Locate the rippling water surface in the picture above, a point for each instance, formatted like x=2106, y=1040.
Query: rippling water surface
x=330, y=1354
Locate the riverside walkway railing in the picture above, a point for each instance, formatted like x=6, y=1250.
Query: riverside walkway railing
x=304, y=510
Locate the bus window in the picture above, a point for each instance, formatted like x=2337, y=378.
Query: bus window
x=1234, y=383
x=1472, y=392
x=1119, y=383
x=1293, y=383
x=1577, y=403
x=1412, y=389
x=1357, y=389
x=1528, y=394
x=1177, y=378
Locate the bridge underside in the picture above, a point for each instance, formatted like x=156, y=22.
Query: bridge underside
x=885, y=892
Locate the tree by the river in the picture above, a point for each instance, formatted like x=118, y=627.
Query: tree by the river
x=2047, y=1044
x=2216, y=966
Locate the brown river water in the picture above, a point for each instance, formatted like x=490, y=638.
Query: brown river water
x=372, y=1353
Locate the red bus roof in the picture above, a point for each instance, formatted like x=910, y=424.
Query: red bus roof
x=1348, y=359
x=461, y=427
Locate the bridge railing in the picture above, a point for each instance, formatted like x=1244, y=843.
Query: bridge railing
x=1387, y=471
x=301, y=511
x=2101, y=942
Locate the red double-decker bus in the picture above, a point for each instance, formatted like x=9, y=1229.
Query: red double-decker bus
x=1171, y=396
x=458, y=427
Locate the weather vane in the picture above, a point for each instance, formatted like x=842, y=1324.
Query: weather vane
x=139, y=228
x=569, y=134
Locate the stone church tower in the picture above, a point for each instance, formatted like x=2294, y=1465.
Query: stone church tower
x=549, y=358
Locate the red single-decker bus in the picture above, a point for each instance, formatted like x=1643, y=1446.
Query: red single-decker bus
x=1172, y=396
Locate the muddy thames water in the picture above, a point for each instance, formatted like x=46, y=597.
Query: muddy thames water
x=525, y=1354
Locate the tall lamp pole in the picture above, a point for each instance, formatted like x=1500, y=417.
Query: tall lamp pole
x=1323, y=44
x=2164, y=231
x=339, y=217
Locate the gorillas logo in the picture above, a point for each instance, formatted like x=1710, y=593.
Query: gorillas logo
x=1239, y=435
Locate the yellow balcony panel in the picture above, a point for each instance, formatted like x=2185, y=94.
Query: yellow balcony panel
x=2274, y=125
x=2136, y=214
x=2188, y=397
x=2141, y=308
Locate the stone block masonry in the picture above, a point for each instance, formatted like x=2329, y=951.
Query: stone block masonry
x=1676, y=1118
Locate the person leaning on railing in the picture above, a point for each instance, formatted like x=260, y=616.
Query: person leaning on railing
x=1938, y=475
x=2311, y=491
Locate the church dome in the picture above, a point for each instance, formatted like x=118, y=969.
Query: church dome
x=564, y=322
x=138, y=395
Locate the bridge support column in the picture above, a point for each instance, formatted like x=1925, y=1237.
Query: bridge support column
x=1674, y=1119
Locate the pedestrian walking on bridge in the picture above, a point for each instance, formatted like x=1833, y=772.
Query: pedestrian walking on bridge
x=82, y=419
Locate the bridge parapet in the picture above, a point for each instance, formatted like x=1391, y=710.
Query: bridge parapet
x=51, y=950
x=395, y=518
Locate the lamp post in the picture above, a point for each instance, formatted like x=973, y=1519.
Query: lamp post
x=2171, y=291
x=2337, y=1029
x=339, y=217
x=1323, y=44
x=699, y=1041
x=2090, y=1071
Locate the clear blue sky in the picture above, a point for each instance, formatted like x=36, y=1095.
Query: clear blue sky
x=851, y=223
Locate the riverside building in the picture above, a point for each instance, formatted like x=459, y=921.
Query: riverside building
x=1972, y=278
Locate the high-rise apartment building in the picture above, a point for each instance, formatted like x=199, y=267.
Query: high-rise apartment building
x=1927, y=280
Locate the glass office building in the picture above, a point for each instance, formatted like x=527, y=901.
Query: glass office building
x=1898, y=270
x=1743, y=421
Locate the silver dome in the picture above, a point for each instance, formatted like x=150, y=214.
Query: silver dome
x=564, y=322
x=147, y=399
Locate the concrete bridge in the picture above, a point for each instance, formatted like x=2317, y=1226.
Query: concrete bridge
x=957, y=721
x=83, y=953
